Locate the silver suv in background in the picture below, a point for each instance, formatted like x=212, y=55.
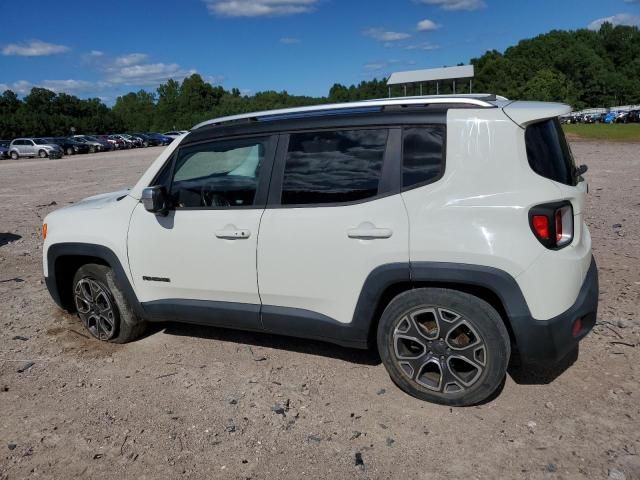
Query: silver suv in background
x=32, y=147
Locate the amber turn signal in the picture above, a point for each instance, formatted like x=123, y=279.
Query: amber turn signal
x=44, y=231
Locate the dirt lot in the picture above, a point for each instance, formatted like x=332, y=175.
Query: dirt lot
x=189, y=402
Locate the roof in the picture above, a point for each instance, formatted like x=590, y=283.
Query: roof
x=475, y=100
x=430, y=75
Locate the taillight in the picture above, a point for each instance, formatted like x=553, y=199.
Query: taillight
x=552, y=224
x=540, y=225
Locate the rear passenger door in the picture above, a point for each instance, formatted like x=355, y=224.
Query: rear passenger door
x=334, y=214
x=27, y=148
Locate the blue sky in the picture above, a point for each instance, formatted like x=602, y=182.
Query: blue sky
x=104, y=49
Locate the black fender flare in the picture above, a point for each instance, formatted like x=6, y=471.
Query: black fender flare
x=59, y=250
x=498, y=282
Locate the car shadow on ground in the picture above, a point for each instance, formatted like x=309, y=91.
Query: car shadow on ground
x=521, y=374
x=535, y=375
x=6, y=238
x=279, y=342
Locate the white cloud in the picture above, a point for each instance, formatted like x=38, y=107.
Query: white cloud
x=147, y=74
x=259, y=8
x=427, y=25
x=133, y=69
x=376, y=66
x=34, y=48
x=619, y=19
x=23, y=87
x=383, y=35
x=456, y=4
x=96, y=53
x=422, y=46
x=130, y=59
x=289, y=40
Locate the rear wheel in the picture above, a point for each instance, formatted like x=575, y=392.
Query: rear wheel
x=15, y=156
x=102, y=307
x=444, y=346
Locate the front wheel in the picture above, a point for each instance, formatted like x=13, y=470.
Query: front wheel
x=42, y=154
x=102, y=307
x=444, y=346
x=70, y=151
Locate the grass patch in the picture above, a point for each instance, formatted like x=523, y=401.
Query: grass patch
x=617, y=132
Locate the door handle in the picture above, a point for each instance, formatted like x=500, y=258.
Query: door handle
x=231, y=232
x=368, y=231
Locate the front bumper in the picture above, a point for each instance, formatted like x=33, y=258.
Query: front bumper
x=547, y=342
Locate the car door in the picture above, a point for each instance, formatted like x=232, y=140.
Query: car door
x=199, y=261
x=28, y=148
x=334, y=215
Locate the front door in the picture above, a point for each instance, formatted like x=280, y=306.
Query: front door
x=198, y=262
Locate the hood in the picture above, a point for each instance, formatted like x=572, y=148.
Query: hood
x=98, y=201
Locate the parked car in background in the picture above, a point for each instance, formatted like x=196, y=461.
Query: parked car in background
x=70, y=146
x=136, y=142
x=621, y=117
x=147, y=141
x=126, y=143
x=609, y=117
x=107, y=139
x=119, y=142
x=4, y=149
x=175, y=133
x=633, y=117
x=94, y=144
x=163, y=139
x=34, y=147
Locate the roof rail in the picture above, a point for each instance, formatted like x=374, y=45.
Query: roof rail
x=482, y=101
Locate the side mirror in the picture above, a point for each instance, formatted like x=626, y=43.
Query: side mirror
x=155, y=199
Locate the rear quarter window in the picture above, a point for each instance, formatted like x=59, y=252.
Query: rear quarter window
x=548, y=152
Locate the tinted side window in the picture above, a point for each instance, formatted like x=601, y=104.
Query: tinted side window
x=218, y=174
x=333, y=167
x=548, y=152
x=423, y=155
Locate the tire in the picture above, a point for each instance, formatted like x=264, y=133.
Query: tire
x=102, y=307
x=42, y=154
x=69, y=151
x=425, y=329
x=92, y=149
x=15, y=156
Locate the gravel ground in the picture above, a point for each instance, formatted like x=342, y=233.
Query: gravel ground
x=191, y=402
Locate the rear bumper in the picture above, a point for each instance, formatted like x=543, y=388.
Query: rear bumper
x=547, y=342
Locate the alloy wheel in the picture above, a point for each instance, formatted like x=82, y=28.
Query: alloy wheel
x=439, y=349
x=95, y=308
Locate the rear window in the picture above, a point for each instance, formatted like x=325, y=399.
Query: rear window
x=549, y=153
x=423, y=155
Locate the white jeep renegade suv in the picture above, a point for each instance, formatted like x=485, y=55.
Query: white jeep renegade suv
x=448, y=231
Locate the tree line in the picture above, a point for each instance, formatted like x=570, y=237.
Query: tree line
x=583, y=68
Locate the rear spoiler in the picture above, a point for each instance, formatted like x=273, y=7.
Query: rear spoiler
x=524, y=113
